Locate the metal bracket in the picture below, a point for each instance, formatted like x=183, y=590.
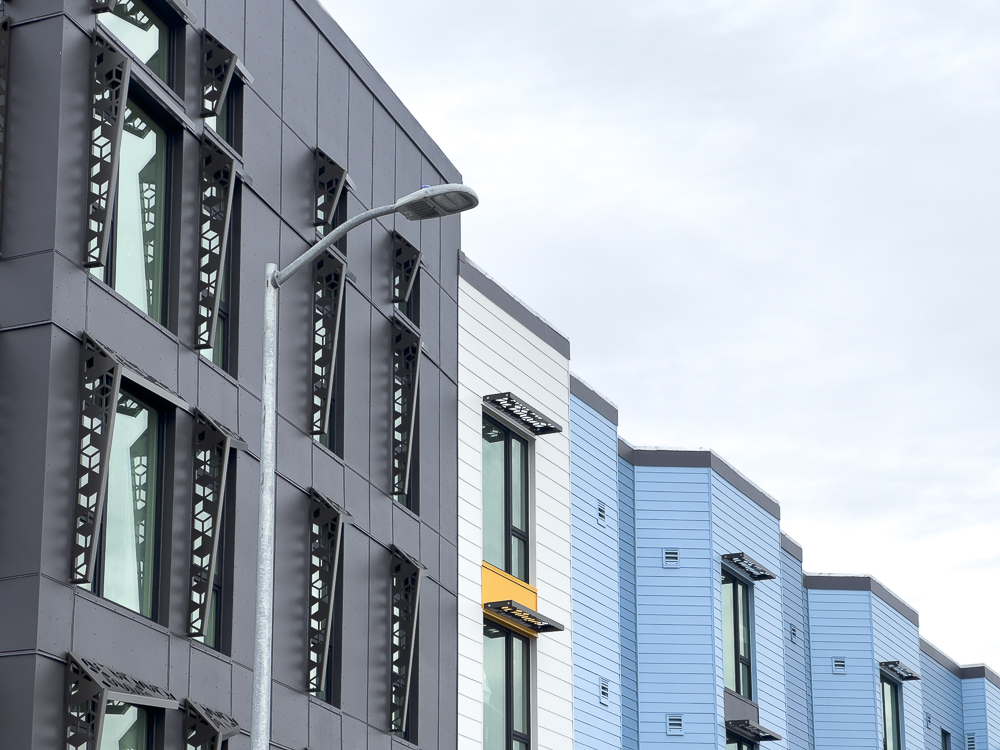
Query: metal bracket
x=109, y=76
x=326, y=533
x=406, y=354
x=218, y=63
x=406, y=575
x=205, y=728
x=329, y=275
x=217, y=183
x=522, y=414
x=405, y=264
x=329, y=179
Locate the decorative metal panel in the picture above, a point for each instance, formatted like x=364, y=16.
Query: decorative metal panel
x=211, y=464
x=329, y=181
x=749, y=566
x=518, y=614
x=900, y=670
x=406, y=574
x=102, y=6
x=329, y=274
x=137, y=126
x=527, y=416
x=89, y=687
x=101, y=375
x=406, y=379
x=405, y=264
x=4, y=83
x=218, y=64
x=132, y=12
x=217, y=177
x=326, y=531
x=205, y=728
x=109, y=77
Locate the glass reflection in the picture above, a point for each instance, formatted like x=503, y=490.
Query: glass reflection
x=494, y=491
x=494, y=688
x=126, y=727
x=146, y=36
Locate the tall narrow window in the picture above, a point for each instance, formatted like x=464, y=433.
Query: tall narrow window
x=146, y=35
x=126, y=561
x=126, y=727
x=506, y=690
x=890, y=715
x=945, y=740
x=228, y=123
x=136, y=266
x=224, y=346
x=505, y=499
x=736, y=638
x=735, y=743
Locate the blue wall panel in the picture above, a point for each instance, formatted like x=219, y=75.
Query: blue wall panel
x=942, y=692
x=596, y=605
x=896, y=638
x=798, y=684
x=626, y=592
x=974, y=702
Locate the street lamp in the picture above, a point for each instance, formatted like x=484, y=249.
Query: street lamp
x=426, y=203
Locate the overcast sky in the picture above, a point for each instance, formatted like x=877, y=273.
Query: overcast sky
x=769, y=227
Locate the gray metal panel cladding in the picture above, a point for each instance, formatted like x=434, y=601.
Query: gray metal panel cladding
x=217, y=185
x=4, y=86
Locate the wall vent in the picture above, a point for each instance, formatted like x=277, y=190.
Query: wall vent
x=793, y=633
x=671, y=558
x=605, y=692
x=602, y=512
x=928, y=721
x=970, y=742
x=839, y=665
x=675, y=724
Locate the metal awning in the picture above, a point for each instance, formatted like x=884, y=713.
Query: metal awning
x=751, y=730
x=898, y=669
x=527, y=416
x=522, y=616
x=748, y=565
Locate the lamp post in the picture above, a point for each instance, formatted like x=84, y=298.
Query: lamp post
x=426, y=203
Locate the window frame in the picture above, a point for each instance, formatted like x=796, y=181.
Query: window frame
x=512, y=735
x=740, y=660
x=896, y=690
x=176, y=19
x=510, y=531
x=945, y=739
x=152, y=721
x=740, y=743
x=164, y=439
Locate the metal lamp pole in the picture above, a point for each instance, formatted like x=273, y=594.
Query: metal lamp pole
x=426, y=203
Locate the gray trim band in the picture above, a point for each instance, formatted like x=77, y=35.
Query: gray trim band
x=931, y=651
x=862, y=583
x=665, y=457
x=593, y=399
x=790, y=546
x=511, y=305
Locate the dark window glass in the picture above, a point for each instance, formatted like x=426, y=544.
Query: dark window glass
x=411, y=307
x=137, y=261
x=223, y=351
x=735, y=743
x=126, y=727
x=890, y=715
x=145, y=34
x=506, y=689
x=945, y=740
x=227, y=124
x=737, y=645
x=505, y=499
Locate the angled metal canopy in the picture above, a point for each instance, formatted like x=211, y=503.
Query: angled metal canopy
x=751, y=730
x=205, y=728
x=329, y=277
x=406, y=353
x=742, y=561
x=218, y=179
x=899, y=670
x=523, y=414
x=405, y=264
x=518, y=614
x=406, y=575
x=326, y=533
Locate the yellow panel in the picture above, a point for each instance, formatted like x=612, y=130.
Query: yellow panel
x=500, y=587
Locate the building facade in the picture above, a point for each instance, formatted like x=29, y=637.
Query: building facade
x=156, y=155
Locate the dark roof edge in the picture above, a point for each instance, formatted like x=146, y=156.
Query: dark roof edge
x=386, y=96
x=790, y=546
x=593, y=399
x=980, y=671
x=699, y=459
x=862, y=583
x=933, y=652
x=512, y=305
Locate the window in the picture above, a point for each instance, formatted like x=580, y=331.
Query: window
x=506, y=689
x=146, y=35
x=136, y=266
x=410, y=307
x=126, y=559
x=215, y=635
x=228, y=123
x=735, y=743
x=736, y=637
x=505, y=499
x=126, y=727
x=224, y=348
x=945, y=740
x=890, y=715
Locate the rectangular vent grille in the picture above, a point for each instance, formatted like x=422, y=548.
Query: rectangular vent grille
x=602, y=512
x=928, y=721
x=970, y=742
x=793, y=633
x=839, y=664
x=671, y=558
x=675, y=724
x=605, y=691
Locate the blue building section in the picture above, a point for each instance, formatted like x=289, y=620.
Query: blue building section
x=597, y=706
x=944, y=715
x=798, y=679
x=626, y=592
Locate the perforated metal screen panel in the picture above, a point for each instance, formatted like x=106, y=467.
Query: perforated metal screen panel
x=217, y=182
x=406, y=380
x=329, y=273
x=406, y=575
x=326, y=531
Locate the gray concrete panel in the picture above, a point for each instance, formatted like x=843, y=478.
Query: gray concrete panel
x=298, y=191
x=383, y=159
x=324, y=726
x=242, y=694
x=380, y=512
x=19, y=603
x=379, y=637
x=175, y=536
x=354, y=647
x=260, y=228
x=430, y=543
x=407, y=175
x=406, y=531
x=180, y=665
x=69, y=293
x=210, y=679
x=430, y=230
x=218, y=396
x=48, y=717
x=380, y=434
x=299, y=73
x=244, y=573
x=261, y=145
x=430, y=314
x=449, y=566
x=356, y=500
x=138, y=647
x=381, y=262
x=357, y=372
x=427, y=660
x=32, y=129
x=295, y=326
x=359, y=247
x=289, y=717
x=17, y=687
x=188, y=365
x=448, y=341
x=55, y=617
x=185, y=231
x=294, y=454
x=359, y=139
x=355, y=734
x=24, y=372
x=449, y=461
x=451, y=244
x=224, y=19
x=332, y=103
x=428, y=465
x=291, y=586
x=328, y=474
x=249, y=424
x=26, y=289
x=448, y=671
x=263, y=51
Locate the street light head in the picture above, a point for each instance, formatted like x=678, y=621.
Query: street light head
x=436, y=201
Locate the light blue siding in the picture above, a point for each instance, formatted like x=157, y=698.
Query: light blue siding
x=798, y=685
x=942, y=691
x=894, y=637
x=596, y=606
x=845, y=709
x=974, y=701
x=626, y=591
